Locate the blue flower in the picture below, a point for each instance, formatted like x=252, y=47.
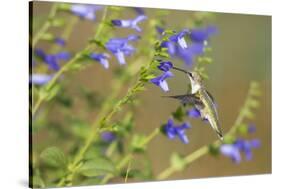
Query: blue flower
x=52, y=60
x=108, y=136
x=234, y=150
x=165, y=66
x=85, y=11
x=251, y=128
x=193, y=113
x=230, y=150
x=101, y=58
x=172, y=49
x=161, y=82
x=200, y=35
x=188, y=55
x=40, y=79
x=179, y=38
x=121, y=48
x=173, y=131
x=60, y=41
x=159, y=29
x=133, y=23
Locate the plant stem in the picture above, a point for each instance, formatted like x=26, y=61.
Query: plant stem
x=65, y=67
x=66, y=33
x=124, y=161
x=205, y=149
x=46, y=25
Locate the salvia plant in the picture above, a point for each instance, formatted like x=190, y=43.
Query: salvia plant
x=108, y=147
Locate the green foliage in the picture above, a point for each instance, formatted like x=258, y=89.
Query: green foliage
x=242, y=129
x=96, y=167
x=48, y=37
x=137, y=144
x=214, y=149
x=179, y=114
x=37, y=182
x=124, y=127
x=78, y=128
x=64, y=6
x=54, y=157
x=58, y=22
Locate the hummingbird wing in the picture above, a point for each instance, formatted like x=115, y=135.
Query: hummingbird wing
x=187, y=99
x=211, y=97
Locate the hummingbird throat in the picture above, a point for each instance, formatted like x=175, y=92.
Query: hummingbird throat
x=195, y=86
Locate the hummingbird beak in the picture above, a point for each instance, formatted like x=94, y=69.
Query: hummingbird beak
x=179, y=69
x=189, y=73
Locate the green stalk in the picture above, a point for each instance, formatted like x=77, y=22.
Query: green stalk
x=65, y=67
x=46, y=25
x=124, y=161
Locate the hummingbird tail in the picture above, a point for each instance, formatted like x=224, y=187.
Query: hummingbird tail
x=220, y=135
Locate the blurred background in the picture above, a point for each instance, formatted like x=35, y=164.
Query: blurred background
x=241, y=52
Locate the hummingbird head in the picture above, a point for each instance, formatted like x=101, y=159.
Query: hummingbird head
x=195, y=80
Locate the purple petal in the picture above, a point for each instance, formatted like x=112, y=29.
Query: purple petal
x=202, y=34
x=251, y=128
x=165, y=66
x=60, y=41
x=120, y=57
x=108, y=136
x=63, y=55
x=40, y=79
x=193, y=113
x=255, y=143
x=160, y=80
x=231, y=151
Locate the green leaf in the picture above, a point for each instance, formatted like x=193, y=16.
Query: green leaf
x=248, y=114
x=213, y=150
x=48, y=95
x=54, y=157
x=138, y=142
x=179, y=114
x=96, y=167
x=57, y=22
x=205, y=60
x=228, y=139
x=47, y=37
x=242, y=129
x=254, y=103
x=37, y=182
x=177, y=162
x=64, y=6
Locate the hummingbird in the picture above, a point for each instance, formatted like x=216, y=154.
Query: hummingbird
x=201, y=99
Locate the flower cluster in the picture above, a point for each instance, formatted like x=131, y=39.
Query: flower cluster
x=185, y=45
x=173, y=131
x=161, y=80
x=52, y=61
x=120, y=47
x=233, y=150
x=178, y=47
x=133, y=23
x=87, y=12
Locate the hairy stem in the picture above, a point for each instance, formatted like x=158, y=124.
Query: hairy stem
x=66, y=33
x=205, y=149
x=127, y=158
x=46, y=25
x=65, y=67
